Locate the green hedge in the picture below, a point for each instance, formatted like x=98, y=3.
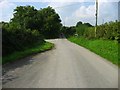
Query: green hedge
x=105, y=31
x=36, y=48
x=17, y=39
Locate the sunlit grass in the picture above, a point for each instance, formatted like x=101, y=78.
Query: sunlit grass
x=29, y=51
x=105, y=48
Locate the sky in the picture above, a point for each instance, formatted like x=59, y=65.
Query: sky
x=70, y=11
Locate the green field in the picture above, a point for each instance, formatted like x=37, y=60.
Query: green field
x=37, y=48
x=105, y=48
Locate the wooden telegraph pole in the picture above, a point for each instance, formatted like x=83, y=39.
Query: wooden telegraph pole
x=96, y=17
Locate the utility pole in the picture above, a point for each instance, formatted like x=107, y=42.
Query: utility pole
x=96, y=17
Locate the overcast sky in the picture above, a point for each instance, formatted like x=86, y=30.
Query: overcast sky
x=70, y=11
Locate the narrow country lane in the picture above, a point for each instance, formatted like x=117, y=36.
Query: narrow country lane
x=66, y=66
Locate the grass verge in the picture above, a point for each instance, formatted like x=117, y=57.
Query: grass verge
x=105, y=48
x=29, y=51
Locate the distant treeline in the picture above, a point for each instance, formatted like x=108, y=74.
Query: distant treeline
x=29, y=26
x=105, y=31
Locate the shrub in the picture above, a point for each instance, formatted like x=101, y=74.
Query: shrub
x=17, y=39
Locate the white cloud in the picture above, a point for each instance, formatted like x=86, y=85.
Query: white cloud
x=85, y=12
x=48, y=0
x=71, y=11
x=64, y=9
x=108, y=11
x=62, y=0
x=70, y=15
x=6, y=9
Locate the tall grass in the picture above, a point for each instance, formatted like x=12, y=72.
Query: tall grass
x=105, y=48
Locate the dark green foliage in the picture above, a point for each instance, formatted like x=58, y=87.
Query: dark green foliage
x=17, y=39
x=106, y=31
x=51, y=20
x=45, y=20
x=103, y=43
x=81, y=27
x=36, y=48
x=119, y=32
x=68, y=31
x=79, y=23
x=29, y=26
x=25, y=16
x=89, y=33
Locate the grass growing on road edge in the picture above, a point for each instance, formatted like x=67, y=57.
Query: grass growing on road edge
x=105, y=48
x=21, y=54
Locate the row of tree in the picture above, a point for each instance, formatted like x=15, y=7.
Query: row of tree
x=68, y=31
x=29, y=26
x=105, y=31
x=78, y=30
x=45, y=20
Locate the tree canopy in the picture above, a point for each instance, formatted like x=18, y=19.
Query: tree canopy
x=51, y=22
x=45, y=20
x=29, y=26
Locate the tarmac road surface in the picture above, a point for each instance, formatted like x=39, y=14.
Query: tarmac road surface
x=67, y=65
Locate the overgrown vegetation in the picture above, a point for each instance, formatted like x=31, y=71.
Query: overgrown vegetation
x=28, y=27
x=107, y=31
x=105, y=48
x=17, y=39
x=68, y=31
x=104, y=42
x=36, y=48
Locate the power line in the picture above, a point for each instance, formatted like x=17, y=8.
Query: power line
x=66, y=5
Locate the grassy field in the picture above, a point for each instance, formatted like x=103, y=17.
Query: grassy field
x=29, y=51
x=105, y=48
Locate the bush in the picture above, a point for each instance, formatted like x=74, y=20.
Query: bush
x=81, y=29
x=108, y=31
x=29, y=26
x=68, y=31
x=89, y=33
x=105, y=31
x=17, y=39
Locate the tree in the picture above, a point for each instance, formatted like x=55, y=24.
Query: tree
x=28, y=26
x=88, y=24
x=79, y=23
x=68, y=31
x=52, y=23
x=21, y=32
x=25, y=16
